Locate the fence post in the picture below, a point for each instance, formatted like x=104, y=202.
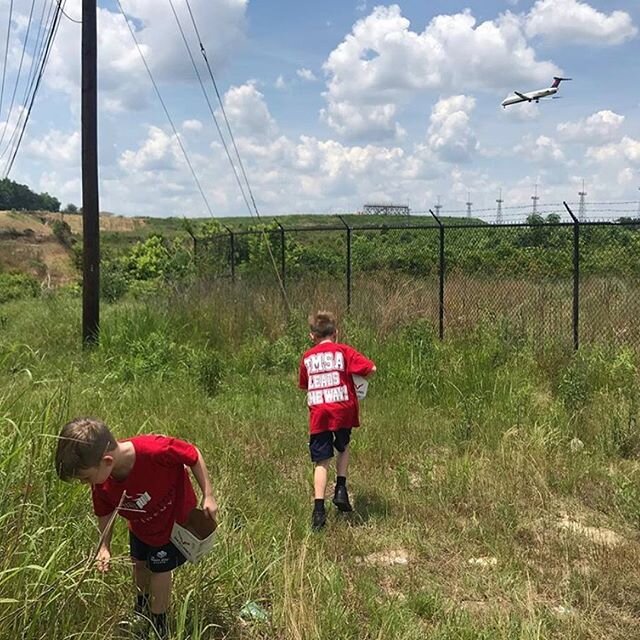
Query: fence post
x=441, y=272
x=232, y=252
x=283, y=257
x=576, y=277
x=348, y=228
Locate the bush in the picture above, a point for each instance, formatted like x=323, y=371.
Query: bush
x=15, y=286
x=209, y=368
x=62, y=231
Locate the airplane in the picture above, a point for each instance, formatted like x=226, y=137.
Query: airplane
x=535, y=96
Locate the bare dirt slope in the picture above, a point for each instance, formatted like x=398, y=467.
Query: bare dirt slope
x=28, y=244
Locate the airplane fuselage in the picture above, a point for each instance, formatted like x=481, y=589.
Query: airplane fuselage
x=532, y=96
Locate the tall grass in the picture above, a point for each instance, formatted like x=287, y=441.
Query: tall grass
x=475, y=449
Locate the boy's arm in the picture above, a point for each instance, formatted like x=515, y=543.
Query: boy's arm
x=104, y=550
x=200, y=473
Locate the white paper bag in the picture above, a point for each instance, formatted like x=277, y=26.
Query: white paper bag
x=361, y=386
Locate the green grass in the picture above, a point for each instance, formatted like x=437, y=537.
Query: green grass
x=465, y=453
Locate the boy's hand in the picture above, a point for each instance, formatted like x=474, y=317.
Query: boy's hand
x=103, y=559
x=210, y=507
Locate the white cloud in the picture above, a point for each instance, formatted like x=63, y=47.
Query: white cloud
x=306, y=74
x=247, y=111
x=280, y=83
x=159, y=152
x=600, y=127
x=124, y=85
x=450, y=135
x=522, y=112
x=64, y=147
x=382, y=62
x=192, y=125
x=541, y=149
x=572, y=21
x=627, y=150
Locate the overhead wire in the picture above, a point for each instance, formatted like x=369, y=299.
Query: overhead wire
x=6, y=54
x=43, y=27
x=212, y=111
x=45, y=59
x=203, y=52
x=166, y=111
x=19, y=72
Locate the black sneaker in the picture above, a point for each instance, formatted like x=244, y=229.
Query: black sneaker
x=318, y=520
x=341, y=499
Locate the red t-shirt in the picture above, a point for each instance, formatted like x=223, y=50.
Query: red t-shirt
x=158, y=489
x=325, y=372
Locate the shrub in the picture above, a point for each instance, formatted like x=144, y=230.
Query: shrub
x=62, y=231
x=14, y=286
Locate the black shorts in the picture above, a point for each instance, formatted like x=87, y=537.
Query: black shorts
x=158, y=559
x=321, y=445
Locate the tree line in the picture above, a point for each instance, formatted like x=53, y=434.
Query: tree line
x=16, y=196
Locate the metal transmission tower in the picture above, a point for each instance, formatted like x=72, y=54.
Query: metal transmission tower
x=438, y=207
x=499, y=210
x=534, y=199
x=581, y=206
x=469, y=203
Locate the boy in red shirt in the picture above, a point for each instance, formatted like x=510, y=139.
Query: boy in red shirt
x=144, y=478
x=326, y=372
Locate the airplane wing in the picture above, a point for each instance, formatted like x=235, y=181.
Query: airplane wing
x=522, y=95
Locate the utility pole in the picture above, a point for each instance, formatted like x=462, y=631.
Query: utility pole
x=90, y=209
x=438, y=207
x=581, y=206
x=469, y=204
x=499, y=211
x=534, y=199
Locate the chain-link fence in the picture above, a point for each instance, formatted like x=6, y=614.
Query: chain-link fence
x=563, y=279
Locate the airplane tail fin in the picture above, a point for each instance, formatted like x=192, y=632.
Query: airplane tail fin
x=557, y=81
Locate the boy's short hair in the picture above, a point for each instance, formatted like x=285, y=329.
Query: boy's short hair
x=82, y=444
x=322, y=324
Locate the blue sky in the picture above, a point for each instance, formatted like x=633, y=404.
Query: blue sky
x=340, y=102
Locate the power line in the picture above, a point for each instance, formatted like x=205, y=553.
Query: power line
x=66, y=15
x=15, y=87
x=166, y=111
x=35, y=63
x=45, y=59
x=203, y=51
x=6, y=54
x=213, y=115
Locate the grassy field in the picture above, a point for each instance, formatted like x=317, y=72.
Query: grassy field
x=495, y=477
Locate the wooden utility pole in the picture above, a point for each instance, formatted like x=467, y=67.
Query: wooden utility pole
x=90, y=210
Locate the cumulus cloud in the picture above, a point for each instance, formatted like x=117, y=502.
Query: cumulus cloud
x=280, y=83
x=382, y=61
x=124, y=85
x=573, y=21
x=192, y=125
x=64, y=147
x=627, y=150
x=248, y=112
x=450, y=134
x=306, y=74
x=601, y=127
x=159, y=152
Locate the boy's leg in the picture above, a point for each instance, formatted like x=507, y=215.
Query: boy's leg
x=161, y=562
x=142, y=580
x=341, y=496
x=320, y=474
x=321, y=450
x=342, y=462
x=160, y=592
x=139, y=552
